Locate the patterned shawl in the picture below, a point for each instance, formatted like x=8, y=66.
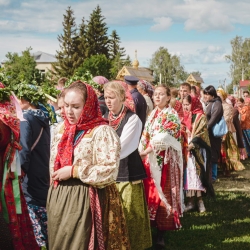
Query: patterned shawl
x=8, y=116
x=162, y=133
x=91, y=117
x=202, y=151
x=196, y=108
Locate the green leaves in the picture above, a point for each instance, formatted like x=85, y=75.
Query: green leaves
x=31, y=93
x=5, y=94
x=22, y=67
x=84, y=77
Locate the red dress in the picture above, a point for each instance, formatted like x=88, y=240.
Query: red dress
x=20, y=227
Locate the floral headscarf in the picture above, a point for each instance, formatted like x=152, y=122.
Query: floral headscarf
x=8, y=116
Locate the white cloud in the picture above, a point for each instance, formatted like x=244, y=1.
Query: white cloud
x=162, y=23
x=4, y=2
x=200, y=15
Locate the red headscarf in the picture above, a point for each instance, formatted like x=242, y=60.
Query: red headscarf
x=8, y=116
x=196, y=108
x=90, y=118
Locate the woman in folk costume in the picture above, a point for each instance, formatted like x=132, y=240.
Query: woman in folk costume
x=160, y=148
x=236, y=122
x=244, y=110
x=197, y=172
x=16, y=229
x=230, y=155
x=128, y=126
x=84, y=206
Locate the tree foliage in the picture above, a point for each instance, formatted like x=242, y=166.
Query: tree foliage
x=96, y=34
x=97, y=65
x=19, y=68
x=239, y=59
x=82, y=41
x=115, y=48
x=68, y=59
x=170, y=68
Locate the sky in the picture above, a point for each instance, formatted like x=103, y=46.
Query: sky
x=198, y=31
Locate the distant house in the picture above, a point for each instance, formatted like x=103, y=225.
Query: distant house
x=44, y=61
x=134, y=70
x=195, y=80
x=244, y=85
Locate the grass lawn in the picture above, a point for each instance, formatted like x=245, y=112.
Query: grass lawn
x=225, y=225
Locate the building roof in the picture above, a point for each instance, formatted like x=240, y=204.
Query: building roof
x=192, y=78
x=141, y=73
x=244, y=83
x=42, y=57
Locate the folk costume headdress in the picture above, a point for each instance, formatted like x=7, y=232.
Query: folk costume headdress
x=37, y=97
x=196, y=108
x=90, y=118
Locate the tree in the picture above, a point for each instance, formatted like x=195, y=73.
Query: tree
x=21, y=68
x=239, y=59
x=96, y=34
x=197, y=73
x=114, y=46
x=168, y=66
x=97, y=65
x=68, y=59
x=82, y=42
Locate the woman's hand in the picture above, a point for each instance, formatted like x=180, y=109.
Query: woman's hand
x=62, y=174
x=143, y=155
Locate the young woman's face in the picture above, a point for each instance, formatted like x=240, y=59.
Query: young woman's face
x=73, y=106
x=60, y=104
x=24, y=104
x=207, y=97
x=112, y=101
x=239, y=104
x=160, y=97
x=186, y=105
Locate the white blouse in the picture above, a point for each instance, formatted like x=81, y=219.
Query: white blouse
x=96, y=156
x=130, y=136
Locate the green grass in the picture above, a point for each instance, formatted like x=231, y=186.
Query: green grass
x=225, y=224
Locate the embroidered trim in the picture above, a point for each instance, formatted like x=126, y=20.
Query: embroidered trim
x=75, y=172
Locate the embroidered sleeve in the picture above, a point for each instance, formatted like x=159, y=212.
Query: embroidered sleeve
x=58, y=131
x=98, y=160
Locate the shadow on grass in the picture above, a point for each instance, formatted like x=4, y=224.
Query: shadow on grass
x=225, y=225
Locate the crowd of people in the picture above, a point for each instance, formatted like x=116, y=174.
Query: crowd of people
x=120, y=159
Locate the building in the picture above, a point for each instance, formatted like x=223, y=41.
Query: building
x=134, y=70
x=43, y=61
x=244, y=85
x=195, y=80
